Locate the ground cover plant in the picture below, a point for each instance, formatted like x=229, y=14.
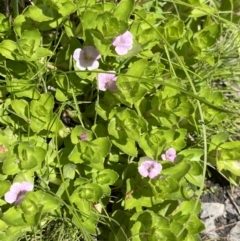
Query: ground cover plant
x=110, y=113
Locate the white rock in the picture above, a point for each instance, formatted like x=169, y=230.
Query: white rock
x=212, y=210
x=234, y=234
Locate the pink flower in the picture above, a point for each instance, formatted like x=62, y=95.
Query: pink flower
x=123, y=43
x=86, y=58
x=83, y=136
x=169, y=155
x=149, y=168
x=17, y=192
x=107, y=81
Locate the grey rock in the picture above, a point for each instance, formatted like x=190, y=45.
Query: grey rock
x=230, y=207
x=234, y=234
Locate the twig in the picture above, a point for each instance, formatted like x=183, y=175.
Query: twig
x=233, y=202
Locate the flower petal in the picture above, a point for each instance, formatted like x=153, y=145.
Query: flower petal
x=164, y=157
x=127, y=35
x=91, y=52
x=26, y=186
x=79, y=66
x=171, y=154
x=16, y=187
x=83, y=136
x=10, y=197
x=121, y=50
x=171, y=151
x=143, y=171
x=111, y=85
x=101, y=78
x=157, y=168
x=171, y=158
x=76, y=54
x=94, y=65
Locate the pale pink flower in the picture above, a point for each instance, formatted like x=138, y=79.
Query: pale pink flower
x=123, y=43
x=83, y=136
x=17, y=192
x=107, y=81
x=86, y=58
x=149, y=168
x=169, y=155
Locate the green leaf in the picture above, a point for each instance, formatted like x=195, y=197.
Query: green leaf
x=89, y=218
x=103, y=145
x=187, y=207
x=36, y=124
x=177, y=172
x=91, y=192
x=207, y=36
x=124, y=9
x=41, y=53
x=21, y=108
x=195, y=174
x=4, y=23
x=8, y=49
x=89, y=19
x=152, y=144
x=203, y=11
x=14, y=218
x=33, y=37
x=126, y=145
x=163, y=234
x=47, y=201
x=22, y=88
x=41, y=13
x=75, y=154
x=178, y=228
x=107, y=176
x=232, y=166
x=132, y=89
x=11, y=165
x=174, y=29
x=28, y=206
x=22, y=23
x=42, y=109
x=217, y=140
x=5, y=186
x=77, y=132
x=101, y=43
x=67, y=8
x=138, y=194
x=69, y=171
x=137, y=68
x=192, y=154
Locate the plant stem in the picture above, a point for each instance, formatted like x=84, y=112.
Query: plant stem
x=15, y=8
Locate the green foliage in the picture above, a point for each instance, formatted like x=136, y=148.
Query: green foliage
x=81, y=147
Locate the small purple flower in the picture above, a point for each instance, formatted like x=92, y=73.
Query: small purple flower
x=149, y=168
x=169, y=155
x=86, y=58
x=83, y=136
x=123, y=43
x=17, y=192
x=107, y=81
